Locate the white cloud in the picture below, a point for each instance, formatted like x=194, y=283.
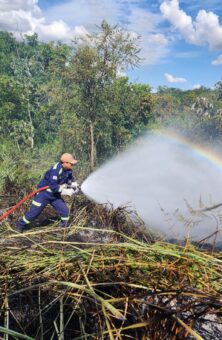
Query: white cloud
x=154, y=48
x=197, y=86
x=142, y=21
x=25, y=17
x=154, y=43
x=73, y=17
x=188, y=54
x=57, y=30
x=205, y=30
x=86, y=12
x=172, y=79
x=16, y=5
x=158, y=39
x=15, y=21
x=217, y=61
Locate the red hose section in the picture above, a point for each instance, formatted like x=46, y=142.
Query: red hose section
x=22, y=201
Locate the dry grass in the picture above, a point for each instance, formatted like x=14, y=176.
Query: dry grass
x=104, y=278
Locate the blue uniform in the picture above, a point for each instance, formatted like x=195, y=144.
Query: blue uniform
x=54, y=177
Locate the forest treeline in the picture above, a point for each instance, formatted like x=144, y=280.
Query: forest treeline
x=56, y=97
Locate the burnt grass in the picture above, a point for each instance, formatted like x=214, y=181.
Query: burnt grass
x=105, y=277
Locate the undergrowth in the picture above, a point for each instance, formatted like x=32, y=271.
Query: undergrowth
x=105, y=277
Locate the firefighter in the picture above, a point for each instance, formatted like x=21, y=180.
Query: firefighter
x=61, y=181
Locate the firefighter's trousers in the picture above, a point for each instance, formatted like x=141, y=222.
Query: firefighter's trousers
x=40, y=201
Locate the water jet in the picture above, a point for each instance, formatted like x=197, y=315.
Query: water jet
x=167, y=180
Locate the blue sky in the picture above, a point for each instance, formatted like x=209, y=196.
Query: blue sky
x=181, y=40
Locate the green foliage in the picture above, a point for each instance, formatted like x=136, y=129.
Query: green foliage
x=22, y=133
x=8, y=47
x=7, y=164
x=21, y=170
x=11, y=100
x=72, y=98
x=129, y=109
x=93, y=69
x=197, y=112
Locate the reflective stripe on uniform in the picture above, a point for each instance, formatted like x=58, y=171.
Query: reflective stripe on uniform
x=37, y=204
x=55, y=166
x=64, y=218
x=60, y=171
x=25, y=220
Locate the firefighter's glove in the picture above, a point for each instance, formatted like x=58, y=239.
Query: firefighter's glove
x=67, y=192
x=75, y=187
x=62, y=186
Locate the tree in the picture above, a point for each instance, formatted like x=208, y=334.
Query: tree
x=35, y=70
x=208, y=118
x=96, y=64
x=129, y=111
x=12, y=104
x=218, y=87
x=8, y=49
x=22, y=133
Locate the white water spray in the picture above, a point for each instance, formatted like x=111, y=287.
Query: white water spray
x=156, y=177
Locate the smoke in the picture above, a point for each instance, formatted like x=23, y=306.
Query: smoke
x=163, y=181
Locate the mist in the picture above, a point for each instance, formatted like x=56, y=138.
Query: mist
x=161, y=179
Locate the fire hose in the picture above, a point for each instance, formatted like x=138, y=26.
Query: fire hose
x=7, y=213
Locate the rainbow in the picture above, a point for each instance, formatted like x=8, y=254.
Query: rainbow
x=201, y=150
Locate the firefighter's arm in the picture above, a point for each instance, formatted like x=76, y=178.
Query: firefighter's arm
x=54, y=179
x=72, y=183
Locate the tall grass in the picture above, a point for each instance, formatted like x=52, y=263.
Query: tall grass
x=110, y=281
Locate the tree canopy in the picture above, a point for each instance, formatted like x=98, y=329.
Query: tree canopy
x=78, y=98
